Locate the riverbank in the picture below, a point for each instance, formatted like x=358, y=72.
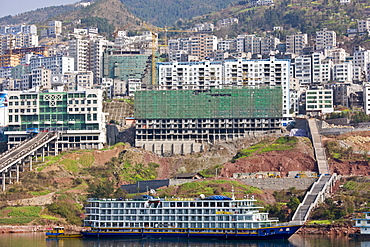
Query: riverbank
x=334, y=230
x=327, y=230
x=33, y=228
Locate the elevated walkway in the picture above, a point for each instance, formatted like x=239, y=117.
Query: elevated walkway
x=11, y=159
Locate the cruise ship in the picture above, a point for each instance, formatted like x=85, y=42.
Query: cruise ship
x=217, y=217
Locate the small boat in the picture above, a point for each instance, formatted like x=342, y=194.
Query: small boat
x=364, y=225
x=58, y=232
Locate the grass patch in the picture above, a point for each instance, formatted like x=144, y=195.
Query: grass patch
x=320, y=222
x=40, y=193
x=210, y=172
x=114, y=146
x=30, y=211
x=70, y=164
x=281, y=144
x=48, y=217
x=249, y=151
x=16, y=220
x=86, y=160
x=211, y=187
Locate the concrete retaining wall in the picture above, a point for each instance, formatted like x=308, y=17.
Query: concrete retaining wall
x=279, y=183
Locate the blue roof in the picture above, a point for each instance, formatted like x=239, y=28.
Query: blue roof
x=217, y=197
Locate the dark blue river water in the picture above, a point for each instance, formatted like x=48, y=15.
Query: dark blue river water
x=39, y=240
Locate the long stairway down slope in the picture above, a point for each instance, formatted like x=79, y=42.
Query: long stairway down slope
x=322, y=187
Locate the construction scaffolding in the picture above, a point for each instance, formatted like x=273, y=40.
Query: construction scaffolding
x=262, y=102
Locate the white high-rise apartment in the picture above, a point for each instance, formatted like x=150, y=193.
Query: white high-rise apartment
x=367, y=98
x=79, y=50
x=296, y=42
x=58, y=65
x=325, y=39
x=303, y=69
x=361, y=59
x=236, y=73
x=343, y=72
x=337, y=55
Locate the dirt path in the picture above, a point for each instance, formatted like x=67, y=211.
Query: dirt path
x=35, y=201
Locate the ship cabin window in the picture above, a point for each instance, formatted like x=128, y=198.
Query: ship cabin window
x=192, y=204
x=206, y=204
x=179, y=204
x=219, y=204
x=128, y=205
x=368, y=222
x=226, y=204
x=359, y=222
x=166, y=204
x=186, y=204
x=213, y=204
x=199, y=204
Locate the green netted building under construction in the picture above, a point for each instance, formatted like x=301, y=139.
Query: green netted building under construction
x=184, y=121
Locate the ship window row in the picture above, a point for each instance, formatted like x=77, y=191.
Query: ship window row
x=179, y=225
x=167, y=211
x=166, y=204
x=177, y=218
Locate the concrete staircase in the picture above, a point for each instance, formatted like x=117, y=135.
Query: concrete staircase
x=321, y=189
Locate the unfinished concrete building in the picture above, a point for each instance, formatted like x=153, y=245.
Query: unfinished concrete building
x=186, y=121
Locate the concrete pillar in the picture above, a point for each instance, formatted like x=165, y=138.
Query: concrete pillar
x=10, y=175
x=31, y=162
x=43, y=154
x=3, y=186
x=17, y=173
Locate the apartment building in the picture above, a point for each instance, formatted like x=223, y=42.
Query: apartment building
x=321, y=68
x=227, y=22
x=41, y=78
x=337, y=55
x=22, y=40
x=14, y=30
x=57, y=65
x=203, y=46
x=319, y=101
x=366, y=97
x=226, y=45
x=190, y=75
x=361, y=59
x=302, y=69
x=77, y=115
x=79, y=50
x=296, y=42
x=343, y=72
x=326, y=39
x=187, y=121
x=363, y=26
x=236, y=72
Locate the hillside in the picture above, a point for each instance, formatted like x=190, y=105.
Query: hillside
x=294, y=16
x=113, y=11
x=68, y=179
x=166, y=12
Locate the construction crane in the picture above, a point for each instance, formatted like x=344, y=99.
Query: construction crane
x=154, y=44
x=154, y=32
